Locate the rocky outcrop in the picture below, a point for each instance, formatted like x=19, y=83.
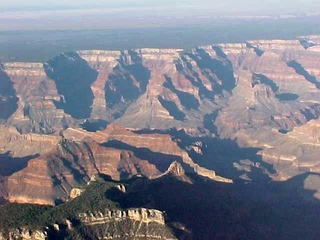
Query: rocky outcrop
x=24, y=234
x=138, y=223
x=175, y=169
x=168, y=88
x=103, y=62
x=49, y=178
x=67, y=70
x=24, y=69
x=269, y=91
x=96, y=58
x=76, y=192
x=21, y=145
x=260, y=94
x=159, y=143
x=37, y=94
x=142, y=215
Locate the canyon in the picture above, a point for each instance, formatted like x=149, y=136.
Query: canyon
x=229, y=112
x=262, y=94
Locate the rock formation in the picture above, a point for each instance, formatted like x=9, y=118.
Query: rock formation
x=24, y=234
x=37, y=96
x=141, y=215
x=53, y=173
x=139, y=223
x=120, y=113
x=127, y=224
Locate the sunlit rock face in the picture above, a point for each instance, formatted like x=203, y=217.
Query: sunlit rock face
x=140, y=223
x=122, y=113
x=36, y=94
x=275, y=82
x=103, y=62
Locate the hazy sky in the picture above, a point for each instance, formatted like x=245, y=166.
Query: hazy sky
x=284, y=5
x=79, y=14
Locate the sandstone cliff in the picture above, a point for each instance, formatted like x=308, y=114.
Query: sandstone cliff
x=258, y=94
x=48, y=177
x=167, y=88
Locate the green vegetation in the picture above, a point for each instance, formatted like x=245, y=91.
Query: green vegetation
x=95, y=198
x=15, y=215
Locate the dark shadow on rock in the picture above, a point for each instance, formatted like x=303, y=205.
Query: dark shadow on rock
x=3, y=201
x=190, y=74
x=8, y=97
x=222, y=69
x=127, y=82
x=160, y=160
x=78, y=175
x=283, y=131
x=94, y=125
x=107, y=178
x=287, y=96
x=306, y=44
x=73, y=78
x=225, y=157
x=257, y=51
x=139, y=72
x=311, y=113
x=172, y=108
x=208, y=122
x=301, y=71
x=219, y=52
x=150, y=131
x=120, y=87
x=214, y=210
x=186, y=99
x=296, y=187
x=262, y=79
x=9, y=165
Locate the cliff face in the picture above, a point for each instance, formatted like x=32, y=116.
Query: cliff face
x=137, y=223
x=8, y=101
x=103, y=62
x=141, y=88
x=142, y=208
x=24, y=234
x=163, y=88
x=49, y=176
x=36, y=111
x=270, y=92
x=274, y=82
x=140, y=224
x=141, y=215
x=261, y=99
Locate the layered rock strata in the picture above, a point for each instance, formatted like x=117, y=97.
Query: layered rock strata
x=260, y=94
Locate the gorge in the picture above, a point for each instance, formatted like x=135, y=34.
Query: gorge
x=232, y=114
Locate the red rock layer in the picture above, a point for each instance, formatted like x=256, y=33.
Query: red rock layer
x=36, y=92
x=49, y=178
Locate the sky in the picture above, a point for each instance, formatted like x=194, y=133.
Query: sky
x=105, y=14
x=270, y=5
